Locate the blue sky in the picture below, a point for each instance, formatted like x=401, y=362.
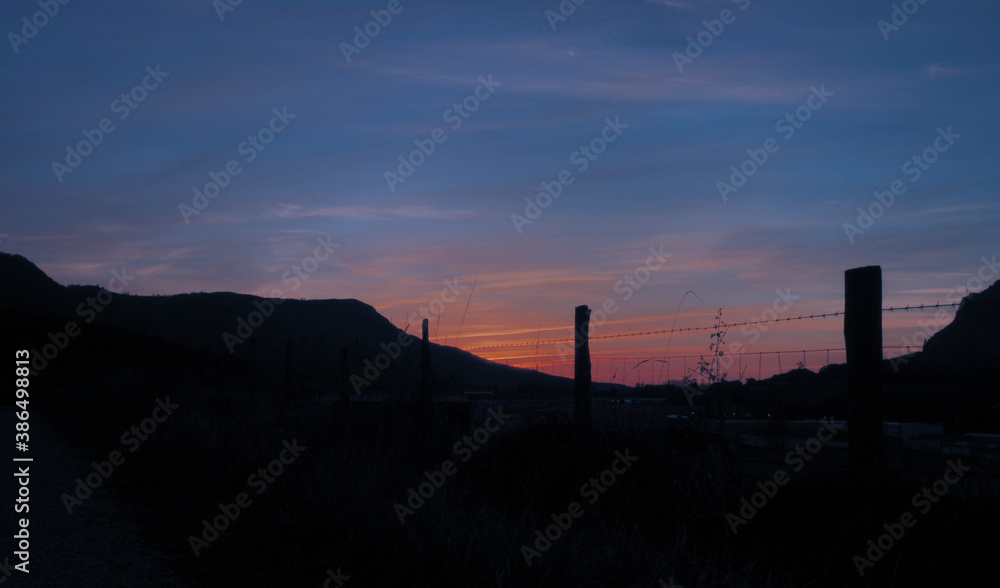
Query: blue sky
x=656, y=185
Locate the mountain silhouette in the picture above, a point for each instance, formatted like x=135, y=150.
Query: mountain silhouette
x=303, y=338
x=971, y=342
x=300, y=337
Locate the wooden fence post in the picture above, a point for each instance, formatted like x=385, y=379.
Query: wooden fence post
x=863, y=340
x=303, y=367
x=425, y=364
x=322, y=384
x=345, y=376
x=581, y=374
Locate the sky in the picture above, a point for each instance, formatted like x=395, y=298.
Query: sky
x=734, y=138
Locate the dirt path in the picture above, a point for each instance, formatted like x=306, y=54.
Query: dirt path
x=98, y=545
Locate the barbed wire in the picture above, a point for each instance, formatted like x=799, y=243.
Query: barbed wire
x=595, y=357
x=906, y=308
x=944, y=345
x=939, y=305
x=661, y=358
x=635, y=361
x=659, y=332
x=919, y=307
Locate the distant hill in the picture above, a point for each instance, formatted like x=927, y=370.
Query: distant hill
x=971, y=342
x=26, y=287
x=298, y=337
x=303, y=338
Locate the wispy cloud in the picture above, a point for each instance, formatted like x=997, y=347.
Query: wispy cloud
x=953, y=209
x=357, y=212
x=671, y=3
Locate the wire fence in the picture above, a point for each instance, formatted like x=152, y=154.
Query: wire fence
x=637, y=370
x=657, y=332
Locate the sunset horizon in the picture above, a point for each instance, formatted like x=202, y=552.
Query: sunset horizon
x=524, y=162
x=629, y=293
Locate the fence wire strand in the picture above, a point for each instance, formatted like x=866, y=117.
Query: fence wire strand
x=907, y=308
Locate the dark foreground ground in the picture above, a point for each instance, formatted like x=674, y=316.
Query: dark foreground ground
x=228, y=481
x=329, y=511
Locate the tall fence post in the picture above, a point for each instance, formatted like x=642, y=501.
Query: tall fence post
x=425, y=364
x=322, y=384
x=863, y=340
x=581, y=373
x=345, y=376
